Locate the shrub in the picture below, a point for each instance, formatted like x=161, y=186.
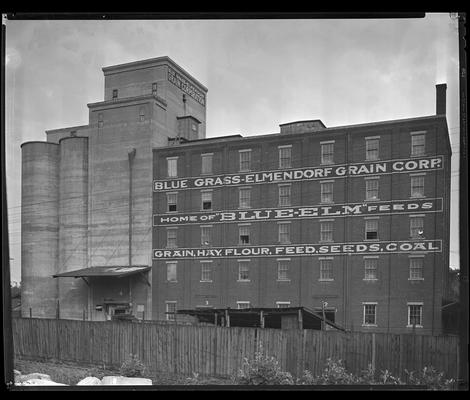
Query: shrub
x=430, y=377
x=132, y=367
x=335, y=373
x=263, y=370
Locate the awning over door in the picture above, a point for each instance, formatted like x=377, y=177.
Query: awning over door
x=116, y=271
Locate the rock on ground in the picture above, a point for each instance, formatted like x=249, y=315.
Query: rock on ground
x=123, y=380
x=34, y=375
x=89, y=381
x=39, y=382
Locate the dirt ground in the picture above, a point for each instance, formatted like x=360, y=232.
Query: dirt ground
x=71, y=374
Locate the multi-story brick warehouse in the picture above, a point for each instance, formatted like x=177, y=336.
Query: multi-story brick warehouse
x=357, y=216
x=155, y=217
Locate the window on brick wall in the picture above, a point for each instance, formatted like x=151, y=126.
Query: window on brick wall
x=245, y=160
x=326, y=269
x=170, y=309
x=416, y=268
x=371, y=229
x=326, y=192
x=171, y=238
x=172, y=200
x=284, y=195
x=206, y=199
x=171, y=274
x=418, y=143
x=372, y=149
x=370, y=313
x=206, y=271
x=244, y=197
x=327, y=152
x=244, y=234
x=284, y=232
x=416, y=227
x=172, y=167
x=283, y=269
x=206, y=163
x=326, y=231
x=206, y=235
x=415, y=314
x=417, y=185
x=243, y=304
x=115, y=93
x=244, y=270
x=372, y=189
x=285, y=156
x=370, y=268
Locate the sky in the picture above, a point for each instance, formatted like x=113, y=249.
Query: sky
x=260, y=74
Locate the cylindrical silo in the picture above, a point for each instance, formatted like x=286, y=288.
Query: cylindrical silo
x=39, y=229
x=73, y=225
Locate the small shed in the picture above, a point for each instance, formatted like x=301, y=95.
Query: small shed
x=276, y=318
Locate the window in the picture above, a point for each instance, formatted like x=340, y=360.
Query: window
x=244, y=270
x=245, y=160
x=282, y=304
x=141, y=114
x=100, y=120
x=372, y=148
x=370, y=313
x=170, y=307
x=284, y=195
x=284, y=232
x=372, y=189
x=171, y=238
x=326, y=231
x=243, y=304
x=370, y=268
x=326, y=269
x=244, y=234
x=171, y=200
x=417, y=185
x=206, y=199
x=172, y=167
x=416, y=227
x=154, y=88
x=206, y=235
x=416, y=268
x=285, y=160
x=371, y=229
x=283, y=270
x=415, y=314
x=206, y=271
x=418, y=144
x=206, y=163
x=326, y=192
x=244, y=197
x=327, y=152
x=115, y=93
x=171, y=271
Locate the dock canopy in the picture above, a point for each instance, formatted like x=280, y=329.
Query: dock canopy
x=116, y=271
x=278, y=318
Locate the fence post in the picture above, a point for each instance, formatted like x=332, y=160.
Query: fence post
x=373, y=351
x=30, y=312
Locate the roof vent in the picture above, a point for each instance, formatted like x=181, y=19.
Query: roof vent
x=302, y=126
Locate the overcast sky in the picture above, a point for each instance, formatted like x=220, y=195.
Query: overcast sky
x=260, y=73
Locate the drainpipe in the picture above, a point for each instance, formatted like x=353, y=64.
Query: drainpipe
x=131, y=155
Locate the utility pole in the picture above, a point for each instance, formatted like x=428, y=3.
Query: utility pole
x=131, y=156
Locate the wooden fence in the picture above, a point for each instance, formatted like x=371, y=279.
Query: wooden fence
x=220, y=351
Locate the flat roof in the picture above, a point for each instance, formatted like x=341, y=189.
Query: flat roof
x=115, y=271
x=251, y=316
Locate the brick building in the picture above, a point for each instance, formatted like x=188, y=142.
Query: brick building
x=138, y=213
x=355, y=216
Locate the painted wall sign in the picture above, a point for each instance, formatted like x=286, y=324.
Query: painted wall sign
x=384, y=247
x=183, y=84
x=301, y=174
x=317, y=211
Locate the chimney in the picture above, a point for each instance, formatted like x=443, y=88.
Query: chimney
x=441, y=98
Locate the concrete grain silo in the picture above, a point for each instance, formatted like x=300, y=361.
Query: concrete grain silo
x=73, y=225
x=39, y=228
